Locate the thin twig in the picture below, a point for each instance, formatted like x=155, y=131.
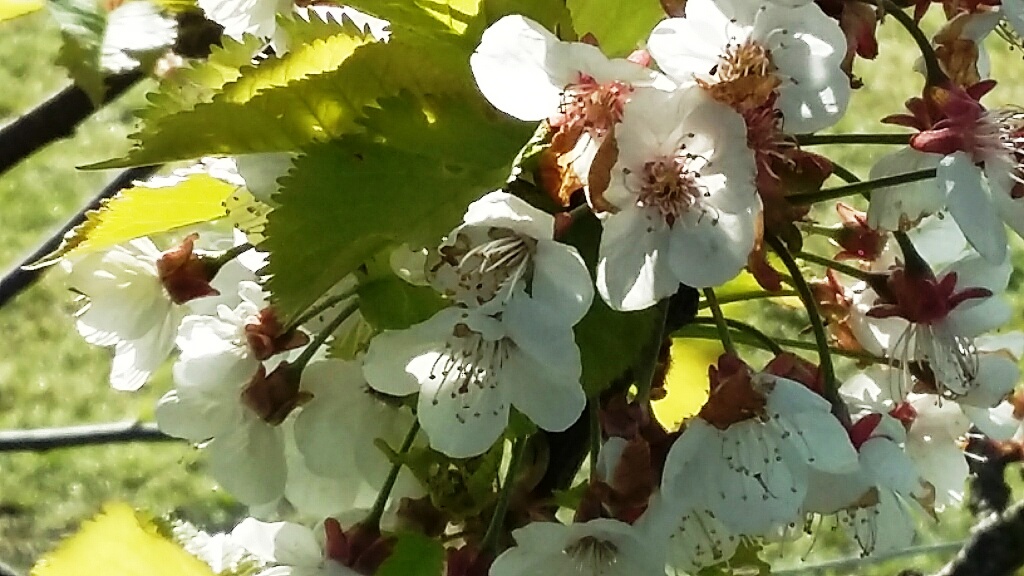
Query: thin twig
x=54, y=119
x=18, y=278
x=43, y=439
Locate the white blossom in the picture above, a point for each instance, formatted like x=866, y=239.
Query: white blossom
x=289, y=549
x=796, y=48
x=683, y=188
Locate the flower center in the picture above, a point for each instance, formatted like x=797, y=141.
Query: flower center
x=482, y=264
x=592, y=106
x=744, y=76
x=469, y=365
x=591, y=552
x=671, y=186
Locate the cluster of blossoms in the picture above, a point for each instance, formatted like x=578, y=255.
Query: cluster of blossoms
x=688, y=156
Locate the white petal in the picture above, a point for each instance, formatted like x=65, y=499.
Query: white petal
x=562, y=287
x=549, y=398
x=689, y=47
x=197, y=416
x=466, y=423
x=997, y=423
x=280, y=542
x=943, y=464
x=712, y=249
x=996, y=378
x=391, y=360
x=249, y=462
x=891, y=206
x=503, y=210
x=513, y=68
x=971, y=206
x=632, y=269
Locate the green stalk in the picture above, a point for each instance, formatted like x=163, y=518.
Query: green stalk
x=321, y=337
x=861, y=187
x=490, y=539
x=934, y=75
x=373, y=519
x=321, y=307
x=723, y=328
x=751, y=336
x=837, y=266
x=747, y=296
x=703, y=329
x=647, y=370
x=818, y=139
x=831, y=392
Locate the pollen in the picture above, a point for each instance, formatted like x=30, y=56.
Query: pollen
x=592, y=106
x=744, y=77
x=671, y=186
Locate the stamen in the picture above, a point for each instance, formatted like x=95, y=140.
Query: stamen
x=592, y=106
x=670, y=185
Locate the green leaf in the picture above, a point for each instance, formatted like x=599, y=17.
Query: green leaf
x=408, y=179
x=551, y=14
x=308, y=110
x=427, y=17
x=620, y=27
x=143, y=210
x=120, y=541
x=182, y=89
x=304, y=60
x=11, y=9
x=388, y=302
x=414, y=555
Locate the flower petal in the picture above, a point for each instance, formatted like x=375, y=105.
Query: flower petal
x=503, y=210
x=971, y=206
x=249, y=462
x=391, y=362
x=278, y=542
x=632, y=268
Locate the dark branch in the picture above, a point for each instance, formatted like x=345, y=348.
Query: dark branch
x=54, y=119
x=6, y=570
x=42, y=439
x=17, y=279
x=996, y=547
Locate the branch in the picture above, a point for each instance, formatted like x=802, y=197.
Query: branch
x=17, y=279
x=54, y=119
x=994, y=548
x=6, y=570
x=43, y=439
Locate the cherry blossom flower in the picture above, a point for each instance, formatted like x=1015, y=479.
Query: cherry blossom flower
x=964, y=142
x=601, y=546
x=506, y=342
x=696, y=537
x=683, y=192
x=291, y=549
x=135, y=297
x=745, y=459
x=528, y=73
x=336, y=430
x=928, y=323
x=742, y=52
x=224, y=398
x=876, y=503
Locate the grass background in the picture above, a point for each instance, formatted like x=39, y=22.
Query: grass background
x=50, y=377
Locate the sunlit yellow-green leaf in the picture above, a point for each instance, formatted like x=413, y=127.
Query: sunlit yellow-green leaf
x=620, y=27
x=686, y=381
x=10, y=9
x=247, y=214
x=424, y=16
x=143, y=210
x=122, y=542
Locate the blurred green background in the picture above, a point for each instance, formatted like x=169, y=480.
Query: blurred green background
x=50, y=377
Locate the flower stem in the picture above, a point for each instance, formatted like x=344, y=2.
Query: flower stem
x=593, y=411
x=860, y=187
x=490, y=539
x=837, y=266
x=844, y=173
x=322, y=336
x=702, y=328
x=751, y=336
x=720, y=323
x=933, y=70
x=647, y=370
x=828, y=371
x=748, y=295
x=215, y=262
x=373, y=519
x=321, y=307
x=816, y=139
